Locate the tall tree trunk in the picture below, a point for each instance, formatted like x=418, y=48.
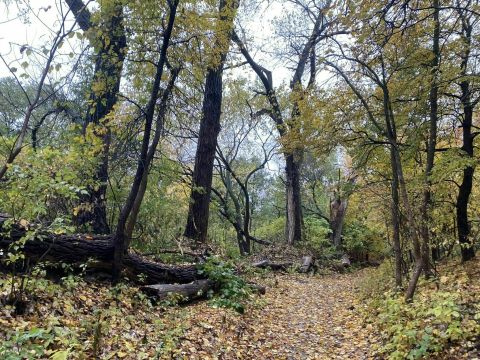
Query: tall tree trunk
x=465, y=190
x=132, y=219
x=397, y=169
x=198, y=212
x=294, y=205
x=463, y=226
x=108, y=70
x=121, y=239
x=397, y=248
x=432, y=141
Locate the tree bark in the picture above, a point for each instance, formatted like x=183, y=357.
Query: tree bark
x=77, y=249
x=397, y=248
x=294, y=204
x=183, y=292
x=307, y=264
x=337, y=215
x=432, y=141
x=198, y=212
x=107, y=76
x=463, y=226
x=121, y=239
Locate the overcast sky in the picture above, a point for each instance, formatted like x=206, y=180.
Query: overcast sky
x=44, y=16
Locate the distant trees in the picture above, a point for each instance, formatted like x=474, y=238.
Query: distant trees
x=304, y=50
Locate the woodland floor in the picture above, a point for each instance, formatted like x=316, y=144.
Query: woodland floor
x=304, y=317
x=300, y=317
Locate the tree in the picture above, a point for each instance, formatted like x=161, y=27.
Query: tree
x=237, y=170
x=198, y=213
x=107, y=37
x=378, y=64
x=121, y=240
x=468, y=100
x=319, y=27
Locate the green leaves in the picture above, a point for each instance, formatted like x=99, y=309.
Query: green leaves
x=232, y=291
x=424, y=327
x=60, y=355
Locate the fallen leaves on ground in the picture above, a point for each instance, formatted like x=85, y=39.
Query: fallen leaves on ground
x=300, y=317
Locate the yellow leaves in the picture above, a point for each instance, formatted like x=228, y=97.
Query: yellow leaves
x=60, y=355
x=99, y=87
x=24, y=223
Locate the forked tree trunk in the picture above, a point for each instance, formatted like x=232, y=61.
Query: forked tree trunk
x=159, y=127
x=121, y=239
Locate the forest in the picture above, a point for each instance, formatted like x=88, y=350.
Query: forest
x=239, y=179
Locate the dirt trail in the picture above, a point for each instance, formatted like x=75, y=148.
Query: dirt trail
x=300, y=317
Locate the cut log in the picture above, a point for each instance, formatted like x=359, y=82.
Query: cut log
x=345, y=261
x=265, y=264
x=307, y=264
x=182, y=292
x=75, y=249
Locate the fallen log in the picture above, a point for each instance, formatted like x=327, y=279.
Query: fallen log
x=197, y=289
x=265, y=264
x=307, y=264
x=182, y=292
x=76, y=249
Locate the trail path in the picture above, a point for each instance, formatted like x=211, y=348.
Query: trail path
x=300, y=317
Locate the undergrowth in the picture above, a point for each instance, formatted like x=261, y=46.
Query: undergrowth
x=232, y=290
x=444, y=316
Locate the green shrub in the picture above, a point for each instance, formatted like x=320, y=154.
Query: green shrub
x=317, y=233
x=359, y=239
x=232, y=289
x=31, y=344
x=423, y=328
x=273, y=231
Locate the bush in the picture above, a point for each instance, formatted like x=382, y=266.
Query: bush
x=232, y=289
x=360, y=239
x=427, y=326
x=317, y=233
x=273, y=231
